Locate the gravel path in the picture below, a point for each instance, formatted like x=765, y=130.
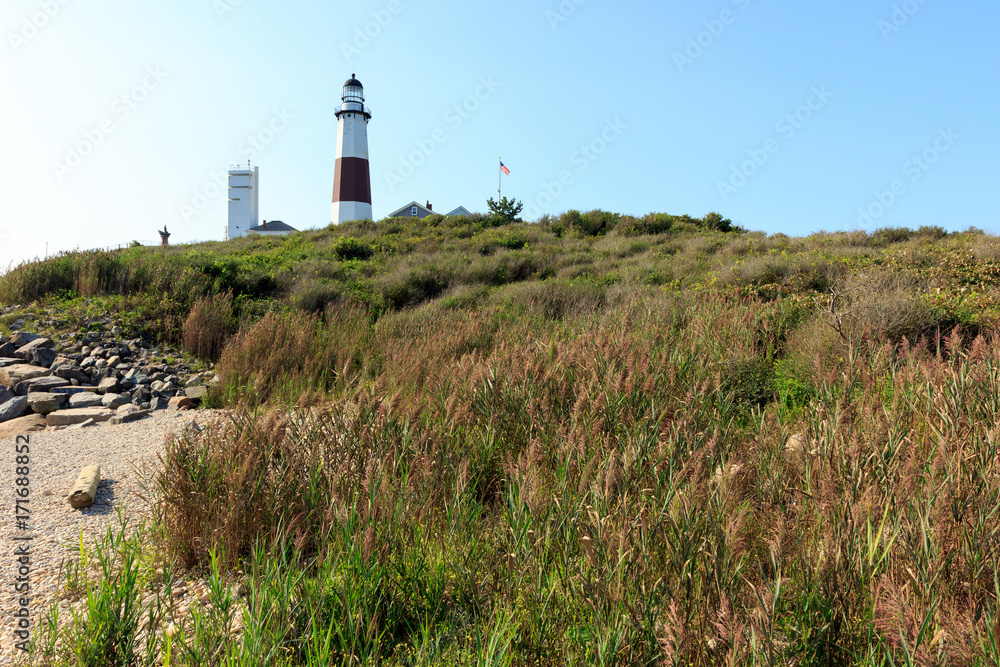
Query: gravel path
x=56, y=460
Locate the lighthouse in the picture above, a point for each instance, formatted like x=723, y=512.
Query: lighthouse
x=352, y=189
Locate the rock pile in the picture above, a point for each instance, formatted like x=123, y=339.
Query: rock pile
x=98, y=379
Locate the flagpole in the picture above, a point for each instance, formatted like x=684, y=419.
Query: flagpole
x=499, y=182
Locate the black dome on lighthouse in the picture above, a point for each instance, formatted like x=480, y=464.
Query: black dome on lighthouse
x=353, y=82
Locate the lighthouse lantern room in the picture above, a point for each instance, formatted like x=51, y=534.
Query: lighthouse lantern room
x=352, y=191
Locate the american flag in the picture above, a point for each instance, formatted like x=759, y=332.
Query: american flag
x=504, y=169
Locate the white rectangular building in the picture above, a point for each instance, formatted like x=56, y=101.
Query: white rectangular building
x=244, y=194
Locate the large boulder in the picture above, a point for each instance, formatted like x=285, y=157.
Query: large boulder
x=46, y=383
x=109, y=385
x=22, y=338
x=71, y=372
x=180, y=402
x=11, y=375
x=5, y=393
x=197, y=392
x=22, y=425
x=115, y=401
x=14, y=408
x=7, y=350
x=43, y=403
x=38, y=344
x=85, y=399
x=78, y=416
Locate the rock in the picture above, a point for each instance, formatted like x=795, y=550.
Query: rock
x=196, y=393
x=725, y=476
x=22, y=338
x=114, y=401
x=77, y=416
x=5, y=394
x=10, y=361
x=38, y=352
x=85, y=488
x=798, y=449
x=21, y=425
x=70, y=372
x=43, y=403
x=159, y=403
x=180, y=402
x=7, y=350
x=11, y=375
x=194, y=380
x=85, y=399
x=42, y=356
x=47, y=383
x=86, y=424
x=128, y=409
x=109, y=385
x=125, y=418
x=14, y=408
x=103, y=374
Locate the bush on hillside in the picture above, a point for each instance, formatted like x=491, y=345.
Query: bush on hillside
x=209, y=326
x=653, y=223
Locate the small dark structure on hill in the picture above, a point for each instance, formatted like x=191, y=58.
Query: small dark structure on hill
x=164, y=237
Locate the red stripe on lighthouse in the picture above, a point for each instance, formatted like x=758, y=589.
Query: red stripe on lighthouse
x=352, y=181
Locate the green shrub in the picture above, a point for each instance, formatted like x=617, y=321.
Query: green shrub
x=889, y=235
x=407, y=288
x=652, y=223
x=716, y=222
x=595, y=223
x=350, y=248
x=313, y=295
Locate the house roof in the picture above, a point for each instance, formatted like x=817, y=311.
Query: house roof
x=423, y=211
x=272, y=226
x=406, y=209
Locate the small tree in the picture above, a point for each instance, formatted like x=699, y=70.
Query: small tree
x=504, y=211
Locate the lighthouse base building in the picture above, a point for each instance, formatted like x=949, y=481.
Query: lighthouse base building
x=352, y=189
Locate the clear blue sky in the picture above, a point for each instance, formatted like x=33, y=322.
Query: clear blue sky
x=830, y=102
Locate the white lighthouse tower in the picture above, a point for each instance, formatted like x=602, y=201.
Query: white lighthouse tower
x=244, y=200
x=352, y=189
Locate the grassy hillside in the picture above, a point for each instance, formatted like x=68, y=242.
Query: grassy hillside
x=593, y=440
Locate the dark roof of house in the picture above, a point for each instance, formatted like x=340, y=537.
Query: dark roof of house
x=272, y=226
